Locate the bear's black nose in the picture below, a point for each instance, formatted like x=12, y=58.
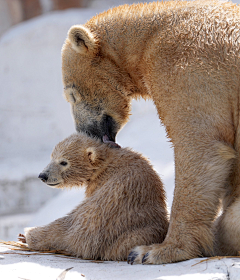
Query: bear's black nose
x=43, y=177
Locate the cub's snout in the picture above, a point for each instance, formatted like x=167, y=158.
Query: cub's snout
x=43, y=177
x=52, y=174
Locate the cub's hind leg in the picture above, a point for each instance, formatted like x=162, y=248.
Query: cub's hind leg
x=120, y=249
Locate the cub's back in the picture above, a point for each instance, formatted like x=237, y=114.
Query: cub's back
x=133, y=171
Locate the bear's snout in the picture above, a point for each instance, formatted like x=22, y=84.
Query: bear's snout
x=43, y=177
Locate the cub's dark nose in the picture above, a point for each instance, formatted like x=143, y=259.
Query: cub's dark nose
x=43, y=177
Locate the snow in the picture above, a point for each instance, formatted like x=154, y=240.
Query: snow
x=17, y=266
x=34, y=117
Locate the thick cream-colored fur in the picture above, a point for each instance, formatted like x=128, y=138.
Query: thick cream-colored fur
x=125, y=203
x=185, y=57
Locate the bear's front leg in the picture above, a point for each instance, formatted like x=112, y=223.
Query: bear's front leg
x=202, y=169
x=49, y=237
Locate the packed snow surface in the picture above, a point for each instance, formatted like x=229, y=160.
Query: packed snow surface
x=38, y=267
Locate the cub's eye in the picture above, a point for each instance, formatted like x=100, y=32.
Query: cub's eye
x=64, y=163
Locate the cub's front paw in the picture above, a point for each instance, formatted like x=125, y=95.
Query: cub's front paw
x=33, y=238
x=159, y=254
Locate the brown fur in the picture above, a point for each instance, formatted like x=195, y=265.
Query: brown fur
x=124, y=206
x=184, y=56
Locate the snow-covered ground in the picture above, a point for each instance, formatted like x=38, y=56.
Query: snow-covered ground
x=48, y=267
x=34, y=117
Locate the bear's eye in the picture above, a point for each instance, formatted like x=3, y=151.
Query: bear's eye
x=64, y=163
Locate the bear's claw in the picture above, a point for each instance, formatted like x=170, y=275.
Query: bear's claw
x=144, y=259
x=131, y=257
x=22, y=238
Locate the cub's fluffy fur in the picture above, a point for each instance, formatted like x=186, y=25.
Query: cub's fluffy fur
x=125, y=201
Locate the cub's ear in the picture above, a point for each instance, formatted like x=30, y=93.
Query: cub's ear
x=96, y=156
x=92, y=155
x=82, y=40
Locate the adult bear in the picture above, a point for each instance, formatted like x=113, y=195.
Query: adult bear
x=185, y=56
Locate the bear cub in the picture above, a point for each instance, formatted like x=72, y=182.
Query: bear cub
x=125, y=203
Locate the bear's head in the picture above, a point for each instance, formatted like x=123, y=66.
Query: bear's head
x=75, y=161
x=98, y=90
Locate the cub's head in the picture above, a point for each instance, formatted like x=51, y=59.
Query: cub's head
x=96, y=87
x=74, y=161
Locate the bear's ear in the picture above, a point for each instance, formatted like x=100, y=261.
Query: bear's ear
x=92, y=155
x=82, y=40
